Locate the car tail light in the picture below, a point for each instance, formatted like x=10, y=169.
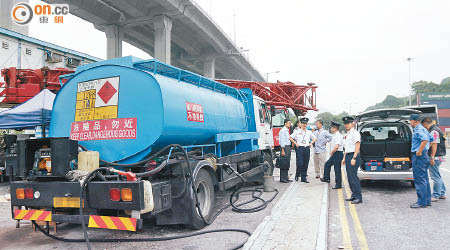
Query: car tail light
x=20, y=193
x=127, y=194
x=114, y=194
x=29, y=194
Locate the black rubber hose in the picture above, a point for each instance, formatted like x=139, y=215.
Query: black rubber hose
x=256, y=196
x=136, y=163
x=83, y=189
x=191, y=178
x=106, y=240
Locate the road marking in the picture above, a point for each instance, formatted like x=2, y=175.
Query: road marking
x=445, y=170
x=356, y=222
x=322, y=239
x=344, y=222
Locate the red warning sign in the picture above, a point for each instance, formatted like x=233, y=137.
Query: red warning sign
x=106, y=92
x=108, y=129
x=194, y=112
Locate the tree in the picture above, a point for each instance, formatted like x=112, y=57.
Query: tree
x=424, y=86
x=328, y=117
x=392, y=102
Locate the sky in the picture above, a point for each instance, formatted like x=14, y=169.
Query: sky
x=354, y=50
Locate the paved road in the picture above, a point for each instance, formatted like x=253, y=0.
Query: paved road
x=385, y=220
x=25, y=238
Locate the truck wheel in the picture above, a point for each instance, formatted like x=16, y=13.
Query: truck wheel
x=205, y=193
x=268, y=160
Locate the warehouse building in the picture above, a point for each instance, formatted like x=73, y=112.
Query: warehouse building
x=25, y=52
x=442, y=101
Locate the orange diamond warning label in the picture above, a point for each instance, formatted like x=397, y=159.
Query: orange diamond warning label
x=97, y=99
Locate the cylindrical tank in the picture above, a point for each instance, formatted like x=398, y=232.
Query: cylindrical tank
x=165, y=110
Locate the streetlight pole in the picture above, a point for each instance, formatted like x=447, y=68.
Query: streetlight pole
x=350, y=106
x=268, y=73
x=409, y=60
x=234, y=28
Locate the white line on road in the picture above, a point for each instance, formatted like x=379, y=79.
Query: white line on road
x=446, y=170
x=322, y=234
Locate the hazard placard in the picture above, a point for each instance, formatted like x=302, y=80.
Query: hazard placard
x=97, y=99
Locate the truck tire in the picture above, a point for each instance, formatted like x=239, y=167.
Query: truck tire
x=268, y=160
x=205, y=191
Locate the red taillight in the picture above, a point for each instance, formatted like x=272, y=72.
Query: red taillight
x=114, y=194
x=29, y=193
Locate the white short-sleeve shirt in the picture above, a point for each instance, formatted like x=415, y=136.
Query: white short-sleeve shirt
x=351, y=139
x=337, y=140
x=302, y=137
x=284, y=137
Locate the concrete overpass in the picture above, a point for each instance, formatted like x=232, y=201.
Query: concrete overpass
x=177, y=32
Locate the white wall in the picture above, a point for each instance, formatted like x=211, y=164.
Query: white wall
x=10, y=57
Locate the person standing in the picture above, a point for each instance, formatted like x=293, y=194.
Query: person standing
x=320, y=148
x=436, y=153
x=303, y=141
x=337, y=154
x=285, y=145
x=352, y=159
x=420, y=162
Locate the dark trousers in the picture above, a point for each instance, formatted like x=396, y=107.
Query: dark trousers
x=420, y=166
x=303, y=155
x=335, y=160
x=285, y=164
x=352, y=175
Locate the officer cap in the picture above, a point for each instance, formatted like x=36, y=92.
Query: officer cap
x=304, y=120
x=348, y=119
x=335, y=124
x=414, y=117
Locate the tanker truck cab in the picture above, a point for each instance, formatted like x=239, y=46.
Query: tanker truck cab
x=143, y=139
x=263, y=121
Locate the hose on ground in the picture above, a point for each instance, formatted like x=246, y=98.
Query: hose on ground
x=106, y=240
x=256, y=195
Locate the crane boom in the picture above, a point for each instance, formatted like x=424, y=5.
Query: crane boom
x=301, y=98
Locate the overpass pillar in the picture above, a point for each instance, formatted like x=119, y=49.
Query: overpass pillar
x=209, y=67
x=114, y=37
x=163, y=29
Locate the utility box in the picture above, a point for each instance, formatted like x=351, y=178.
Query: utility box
x=63, y=151
x=15, y=148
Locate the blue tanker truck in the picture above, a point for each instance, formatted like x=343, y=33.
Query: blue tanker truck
x=132, y=139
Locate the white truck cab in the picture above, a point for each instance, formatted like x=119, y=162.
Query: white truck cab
x=263, y=119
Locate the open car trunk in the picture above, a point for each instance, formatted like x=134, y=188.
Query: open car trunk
x=386, y=146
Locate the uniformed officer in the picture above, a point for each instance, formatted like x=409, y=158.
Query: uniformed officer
x=420, y=162
x=436, y=153
x=303, y=141
x=352, y=159
x=285, y=144
x=337, y=154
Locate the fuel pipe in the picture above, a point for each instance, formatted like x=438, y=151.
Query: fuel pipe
x=256, y=196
